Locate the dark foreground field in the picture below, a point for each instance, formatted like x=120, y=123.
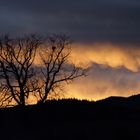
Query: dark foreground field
x=114, y=118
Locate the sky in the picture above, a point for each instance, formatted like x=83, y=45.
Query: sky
x=106, y=36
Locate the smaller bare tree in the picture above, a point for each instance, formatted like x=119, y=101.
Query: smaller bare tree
x=56, y=69
x=16, y=70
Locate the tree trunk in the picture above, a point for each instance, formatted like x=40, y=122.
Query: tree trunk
x=22, y=99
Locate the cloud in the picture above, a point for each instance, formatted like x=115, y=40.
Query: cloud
x=85, y=21
x=114, y=71
x=104, y=82
x=107, y=54
x=114, y=65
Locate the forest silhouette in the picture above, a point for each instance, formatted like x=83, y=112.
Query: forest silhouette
x=114, y=118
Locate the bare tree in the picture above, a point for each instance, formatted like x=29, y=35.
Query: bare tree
x=16, y=69
x=19, y=78
x=56, y=69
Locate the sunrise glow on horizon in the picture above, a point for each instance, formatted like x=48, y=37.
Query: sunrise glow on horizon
x=113, y=70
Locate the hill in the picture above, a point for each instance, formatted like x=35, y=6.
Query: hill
x=114, y=118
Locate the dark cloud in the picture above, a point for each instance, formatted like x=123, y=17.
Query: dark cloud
x=93, y=21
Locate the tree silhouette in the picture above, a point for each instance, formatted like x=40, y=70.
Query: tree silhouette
x=16, y=70
x=56, y=70
x=21, y=78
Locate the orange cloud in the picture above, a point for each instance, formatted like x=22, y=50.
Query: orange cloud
x=102, y=84
x=107, y=54
x=116, y=73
